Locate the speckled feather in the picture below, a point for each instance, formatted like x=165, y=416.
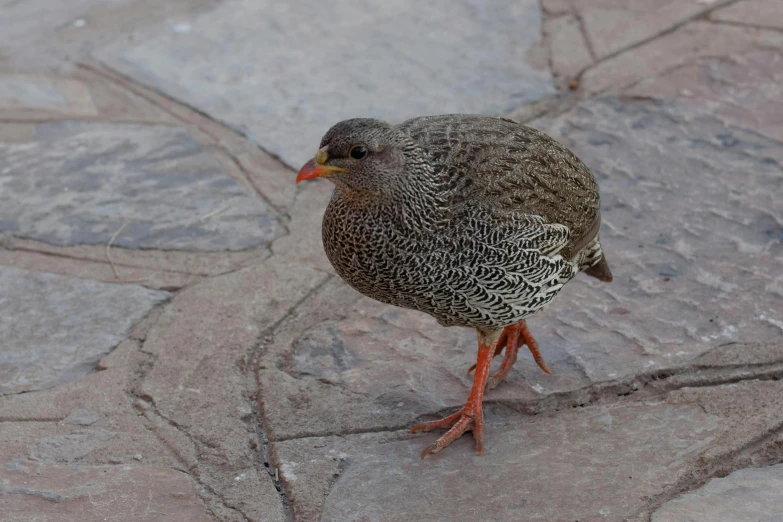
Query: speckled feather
x=477, y=221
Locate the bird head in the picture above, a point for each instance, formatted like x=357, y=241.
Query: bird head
x=362, y=154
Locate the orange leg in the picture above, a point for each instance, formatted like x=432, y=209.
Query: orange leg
x=471, y=416
x=512, y=338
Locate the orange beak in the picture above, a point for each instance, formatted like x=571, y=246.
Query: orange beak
x=312, y=170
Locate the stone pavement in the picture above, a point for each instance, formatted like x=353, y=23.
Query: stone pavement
x=175, y=345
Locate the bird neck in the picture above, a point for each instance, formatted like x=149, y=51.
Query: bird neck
x=413, y=205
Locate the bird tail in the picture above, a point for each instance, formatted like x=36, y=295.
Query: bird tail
x=600, y=270
x=592, y=261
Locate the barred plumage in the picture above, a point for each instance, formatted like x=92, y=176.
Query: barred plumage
x=474, y=220
x=476, y=227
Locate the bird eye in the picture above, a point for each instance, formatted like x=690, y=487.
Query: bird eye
x=358, y=152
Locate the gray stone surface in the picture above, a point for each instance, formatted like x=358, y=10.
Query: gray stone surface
x=79, y=183
x=26, y=21
x=746, y=495
x=55, y=329
x=585, y=464
x=693, y=232
x=29, y=491
x=285, y=72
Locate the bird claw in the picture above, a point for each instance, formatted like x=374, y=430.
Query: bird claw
x=470, y=417
x=431, y=449
x=512, y=338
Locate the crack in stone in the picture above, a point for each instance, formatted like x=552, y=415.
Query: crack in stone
x=258, y=406
x=745, y=24
x=103, y=262
x=766, y=450
x=121, y=80
x=583, y=29
x=638, y=387
x=48, y=495
x=137, y=399
x=665, y=32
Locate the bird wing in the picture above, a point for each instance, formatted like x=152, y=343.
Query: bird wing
x=506, y=166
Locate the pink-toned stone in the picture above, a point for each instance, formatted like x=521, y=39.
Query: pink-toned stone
x=762, y=13
x=603, y=462
x=49, y=493
x=569, y=52
x=555, y=7
x=613, y=25
x=693, y=41
x=742, y=89
x=585, y=464
x=44, y=424
x=203, y=351
x=127, y=260
x=86, y=269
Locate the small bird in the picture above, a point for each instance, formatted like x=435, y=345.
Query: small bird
x=475, y=220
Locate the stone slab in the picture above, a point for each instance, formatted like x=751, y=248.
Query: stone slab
x=742, y=89
x=693, y=41
x=761, y=13
x=61, y=96
x=57, y=328
x=79, y=183
x=203, y=349
x=48, y=493
x=614, y=25
x=24, y=22
x=568, y=50
x=598, y=463
x=746, y=494
x=284, y=73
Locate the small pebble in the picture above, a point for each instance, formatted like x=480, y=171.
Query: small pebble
x=137, y=456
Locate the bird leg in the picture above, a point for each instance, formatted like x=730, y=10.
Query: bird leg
x=471, y=416
x=512, y=338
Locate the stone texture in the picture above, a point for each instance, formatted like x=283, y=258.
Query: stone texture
x=315, y=64
x=602, y=462
x=690, y=227
x=746, y=494
x=167, y=188
x=45, y=493
x=23, y=22
x=80, y=94
x=741, y=89
x=694, y=40
x=568, y=50
x=614, y=25
x=61, y=96
x=57, y=328
x=203, y=349
x=761, y=13
x=586, y=464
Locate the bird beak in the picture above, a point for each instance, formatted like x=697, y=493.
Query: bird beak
x=312, y=170
x=315, y=168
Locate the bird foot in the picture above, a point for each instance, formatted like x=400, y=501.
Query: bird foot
x=512, y=338
x=470, y=417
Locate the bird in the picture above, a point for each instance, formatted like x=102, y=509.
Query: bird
x=478, y=221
